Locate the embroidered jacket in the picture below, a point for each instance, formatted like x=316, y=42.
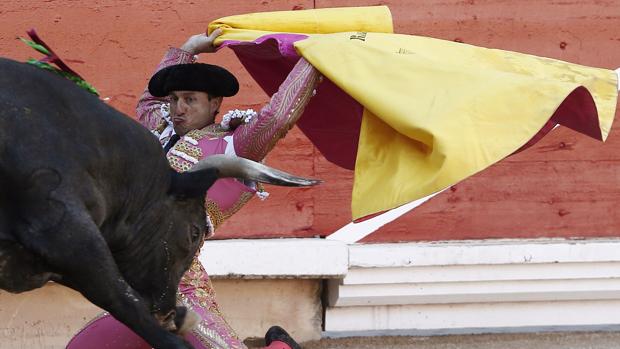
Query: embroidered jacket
x=251, y=140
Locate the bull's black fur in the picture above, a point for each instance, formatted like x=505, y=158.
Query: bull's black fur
x=86, y=200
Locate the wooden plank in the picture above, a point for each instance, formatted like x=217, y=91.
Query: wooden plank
x=287, y=211
x=526, y=195
x=332, y=210
x=332, y=206
x=119, y=43
x=519, y=200
x=442, y=319
x=580, y=31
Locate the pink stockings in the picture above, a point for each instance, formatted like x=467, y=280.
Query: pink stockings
x=105, y=332
x=197, y=294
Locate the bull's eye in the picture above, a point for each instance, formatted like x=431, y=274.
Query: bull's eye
x=195, y=233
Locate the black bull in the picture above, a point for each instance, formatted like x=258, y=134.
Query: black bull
x=88, y=199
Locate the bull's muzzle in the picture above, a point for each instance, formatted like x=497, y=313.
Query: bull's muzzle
x=167, y=321
x=179, y=321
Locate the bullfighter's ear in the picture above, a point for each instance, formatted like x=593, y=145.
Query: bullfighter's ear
x=192, y=184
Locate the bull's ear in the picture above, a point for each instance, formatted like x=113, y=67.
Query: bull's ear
x=192, y=184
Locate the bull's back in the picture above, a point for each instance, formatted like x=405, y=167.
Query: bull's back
x=42, y=110
x=48, y=123
x=52, y=111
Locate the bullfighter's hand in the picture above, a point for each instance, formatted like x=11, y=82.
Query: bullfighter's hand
x=201, y=43
x=234, y=123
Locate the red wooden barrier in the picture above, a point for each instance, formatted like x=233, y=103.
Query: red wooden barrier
x=566, y=186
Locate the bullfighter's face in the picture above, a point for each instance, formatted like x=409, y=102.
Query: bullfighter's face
x=191, y=110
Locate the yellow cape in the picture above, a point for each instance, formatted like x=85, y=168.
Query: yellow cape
x=436, y=111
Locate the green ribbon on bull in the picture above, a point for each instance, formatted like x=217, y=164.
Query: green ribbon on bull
x=78, y=80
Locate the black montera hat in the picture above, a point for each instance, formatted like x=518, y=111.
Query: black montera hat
x=209, y=78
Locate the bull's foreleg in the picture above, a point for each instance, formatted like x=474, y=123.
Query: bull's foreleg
x=76, y=250
x=20, y=270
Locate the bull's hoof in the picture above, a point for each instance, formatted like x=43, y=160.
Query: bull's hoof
x=277, y=333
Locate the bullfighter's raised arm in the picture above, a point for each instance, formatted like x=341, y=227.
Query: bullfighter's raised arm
x=254, y=139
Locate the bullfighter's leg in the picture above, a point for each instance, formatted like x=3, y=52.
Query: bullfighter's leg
x=76, y=250
x=213, y=332
x=197, y=293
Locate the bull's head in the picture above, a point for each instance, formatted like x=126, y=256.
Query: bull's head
x=185, y=222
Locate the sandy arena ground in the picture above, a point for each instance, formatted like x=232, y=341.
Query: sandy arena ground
x=574, y=340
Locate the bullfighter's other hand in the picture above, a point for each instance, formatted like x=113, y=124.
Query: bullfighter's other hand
x=201, y=43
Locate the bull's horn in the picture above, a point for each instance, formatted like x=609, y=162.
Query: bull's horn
x=237, y=167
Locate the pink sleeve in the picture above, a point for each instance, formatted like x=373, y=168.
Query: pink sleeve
x=149, y=107
x=256, y=138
